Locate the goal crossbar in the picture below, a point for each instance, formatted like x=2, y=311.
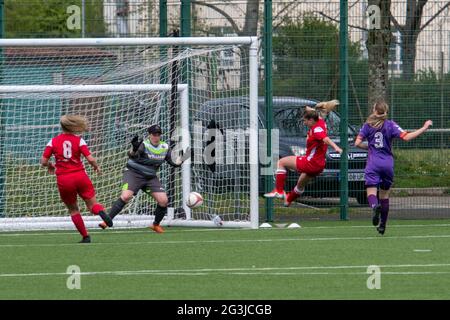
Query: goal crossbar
x=91, y=88
x=79, y=42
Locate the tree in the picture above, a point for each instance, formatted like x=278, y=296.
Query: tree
x=306, y=59
x=379, y=40
x=95, y=22
x=250, y=26
x=49, y=18
x=251, y=18
x=378, y=43
x=250, y=21
x=410, y=32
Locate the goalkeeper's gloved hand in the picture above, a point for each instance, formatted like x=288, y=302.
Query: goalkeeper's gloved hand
x=136, y=142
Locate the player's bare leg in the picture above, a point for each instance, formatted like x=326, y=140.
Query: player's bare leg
x=160, y=211
x=118, y=205
x=298, y=189
x=97, y=209
x=280, y=176
x=77, y=220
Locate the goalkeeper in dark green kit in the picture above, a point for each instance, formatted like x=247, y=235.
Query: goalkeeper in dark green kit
x=145, y=158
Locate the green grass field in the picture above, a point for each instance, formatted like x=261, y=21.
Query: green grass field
x=418, y=168
x=321, y=260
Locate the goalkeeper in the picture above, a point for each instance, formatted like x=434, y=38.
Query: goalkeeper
x=145, y=158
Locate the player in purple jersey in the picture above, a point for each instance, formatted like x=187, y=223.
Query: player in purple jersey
x=379, y=133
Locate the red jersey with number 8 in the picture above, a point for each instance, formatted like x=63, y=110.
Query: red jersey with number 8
x=67, y=149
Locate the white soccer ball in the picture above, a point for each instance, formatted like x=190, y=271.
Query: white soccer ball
x=195, y=200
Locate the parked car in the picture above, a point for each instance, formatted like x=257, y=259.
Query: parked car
x=233, y=113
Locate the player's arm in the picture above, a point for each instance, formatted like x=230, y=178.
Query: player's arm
x=330, y=142
x=45, y=162
x=412, y=135
x=45, y=159
x=93, y=163
x=359, y=143
x=320, y=134
x=87, y=154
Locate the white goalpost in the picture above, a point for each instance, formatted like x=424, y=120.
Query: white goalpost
x=123, y=86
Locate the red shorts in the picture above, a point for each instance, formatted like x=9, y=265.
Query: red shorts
x=72, y=184
x=308, y=167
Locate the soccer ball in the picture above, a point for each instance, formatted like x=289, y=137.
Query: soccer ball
x=195, y=200
x=217, y=221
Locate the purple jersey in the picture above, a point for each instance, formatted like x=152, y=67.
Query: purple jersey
x=380, y=163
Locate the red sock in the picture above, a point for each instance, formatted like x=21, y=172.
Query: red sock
x=96, y=208
x=79, y=224
x=280, y=177
x=294, y=194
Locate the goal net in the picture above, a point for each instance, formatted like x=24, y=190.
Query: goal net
x=201, y=91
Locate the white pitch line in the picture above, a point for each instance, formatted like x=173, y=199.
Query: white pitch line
x=131, y=231
x=222, y=241
x=110, y=232
x=259, y=274
x=333, y=273
x=237, y=271
x=390, y=226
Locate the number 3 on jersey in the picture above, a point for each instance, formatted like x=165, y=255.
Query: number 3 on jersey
x=379, y=140
x=67, y=149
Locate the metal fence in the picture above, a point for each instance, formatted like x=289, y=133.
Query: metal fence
x=306, y=65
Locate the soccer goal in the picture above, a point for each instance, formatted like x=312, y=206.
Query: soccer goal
x=201, y=91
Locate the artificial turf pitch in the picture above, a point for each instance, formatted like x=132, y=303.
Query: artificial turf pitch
x=321, y=260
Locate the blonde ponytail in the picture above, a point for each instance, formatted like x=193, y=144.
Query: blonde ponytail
x=73, y=124
x=379, y=114
x=324, y=108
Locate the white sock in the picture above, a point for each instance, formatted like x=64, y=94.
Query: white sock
x=299, y=191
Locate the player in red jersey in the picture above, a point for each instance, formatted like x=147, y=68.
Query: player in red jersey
x=71, y=177
x=313, y=162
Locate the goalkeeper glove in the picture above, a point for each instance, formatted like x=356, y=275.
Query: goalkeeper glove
x=136, y=142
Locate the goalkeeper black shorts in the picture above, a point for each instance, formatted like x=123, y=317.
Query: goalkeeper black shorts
x=134, y=181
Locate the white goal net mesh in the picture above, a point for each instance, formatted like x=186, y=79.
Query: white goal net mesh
x=217, y=78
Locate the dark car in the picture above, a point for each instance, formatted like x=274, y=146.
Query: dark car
x=233, y=113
